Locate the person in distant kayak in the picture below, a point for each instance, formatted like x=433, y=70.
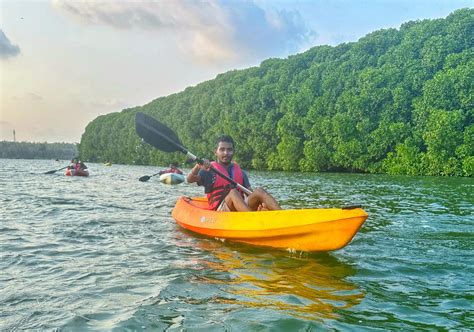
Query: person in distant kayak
x=223, y=195
x=77, y=164
x=173, y=169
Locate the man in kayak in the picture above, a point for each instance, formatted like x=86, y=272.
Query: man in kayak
x=77, y=164
x=173, y=169
x=221, y=194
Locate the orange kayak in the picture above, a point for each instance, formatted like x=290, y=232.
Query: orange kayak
x=301, y=229
x=77, y=172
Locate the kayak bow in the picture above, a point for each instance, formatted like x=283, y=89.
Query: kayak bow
x=171, y=178
x=77, y=172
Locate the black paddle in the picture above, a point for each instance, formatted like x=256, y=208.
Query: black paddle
x=163, y=138
x=145, y=178
x=55, y=170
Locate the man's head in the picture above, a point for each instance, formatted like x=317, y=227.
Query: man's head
x=225, y=149
x=173, y=165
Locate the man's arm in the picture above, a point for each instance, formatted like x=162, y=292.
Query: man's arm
x=193, y=175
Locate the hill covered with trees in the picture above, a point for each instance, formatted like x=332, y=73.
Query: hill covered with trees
x=28, y=150
x=397, y=101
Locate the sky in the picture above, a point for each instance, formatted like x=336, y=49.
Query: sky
x=65, y=62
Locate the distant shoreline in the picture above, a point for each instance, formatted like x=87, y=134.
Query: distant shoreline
x=30, y=150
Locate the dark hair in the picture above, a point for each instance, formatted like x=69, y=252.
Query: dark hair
x=225, y=138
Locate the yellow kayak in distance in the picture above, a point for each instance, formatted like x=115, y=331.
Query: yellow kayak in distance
x=296, y=229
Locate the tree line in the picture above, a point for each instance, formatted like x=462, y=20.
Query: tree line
x=397, y=101
x=29, y=150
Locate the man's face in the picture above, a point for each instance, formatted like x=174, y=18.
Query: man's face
x=225, y=152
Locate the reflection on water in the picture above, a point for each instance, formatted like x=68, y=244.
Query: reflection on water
x=310, y=286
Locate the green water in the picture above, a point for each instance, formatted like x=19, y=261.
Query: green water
x=103, y=253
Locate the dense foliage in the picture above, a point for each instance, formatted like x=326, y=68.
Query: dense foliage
x=27, y=150
x=397, y=101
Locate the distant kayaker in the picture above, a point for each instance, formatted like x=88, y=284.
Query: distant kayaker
x=77, y=164
x=221, y=194
x=173, y=169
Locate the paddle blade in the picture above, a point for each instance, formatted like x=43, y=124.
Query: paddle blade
x=144, y=178
x=157, y=134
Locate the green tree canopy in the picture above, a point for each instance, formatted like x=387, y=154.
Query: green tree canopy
x=396, y=101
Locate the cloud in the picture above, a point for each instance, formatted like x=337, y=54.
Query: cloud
x=209, y=30
x=266, y=33
x=29, y=97
x=33, y=97
x=111, y=103
x=7, y=49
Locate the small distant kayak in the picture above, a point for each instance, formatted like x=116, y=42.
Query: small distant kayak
x=77, y=172
x=171, y=178
x=108, y=164
x=298, y=229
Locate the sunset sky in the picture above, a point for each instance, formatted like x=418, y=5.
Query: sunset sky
x=63, y=63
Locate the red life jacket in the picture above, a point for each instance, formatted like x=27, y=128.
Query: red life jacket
x=221, y=186
x=171, y=170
